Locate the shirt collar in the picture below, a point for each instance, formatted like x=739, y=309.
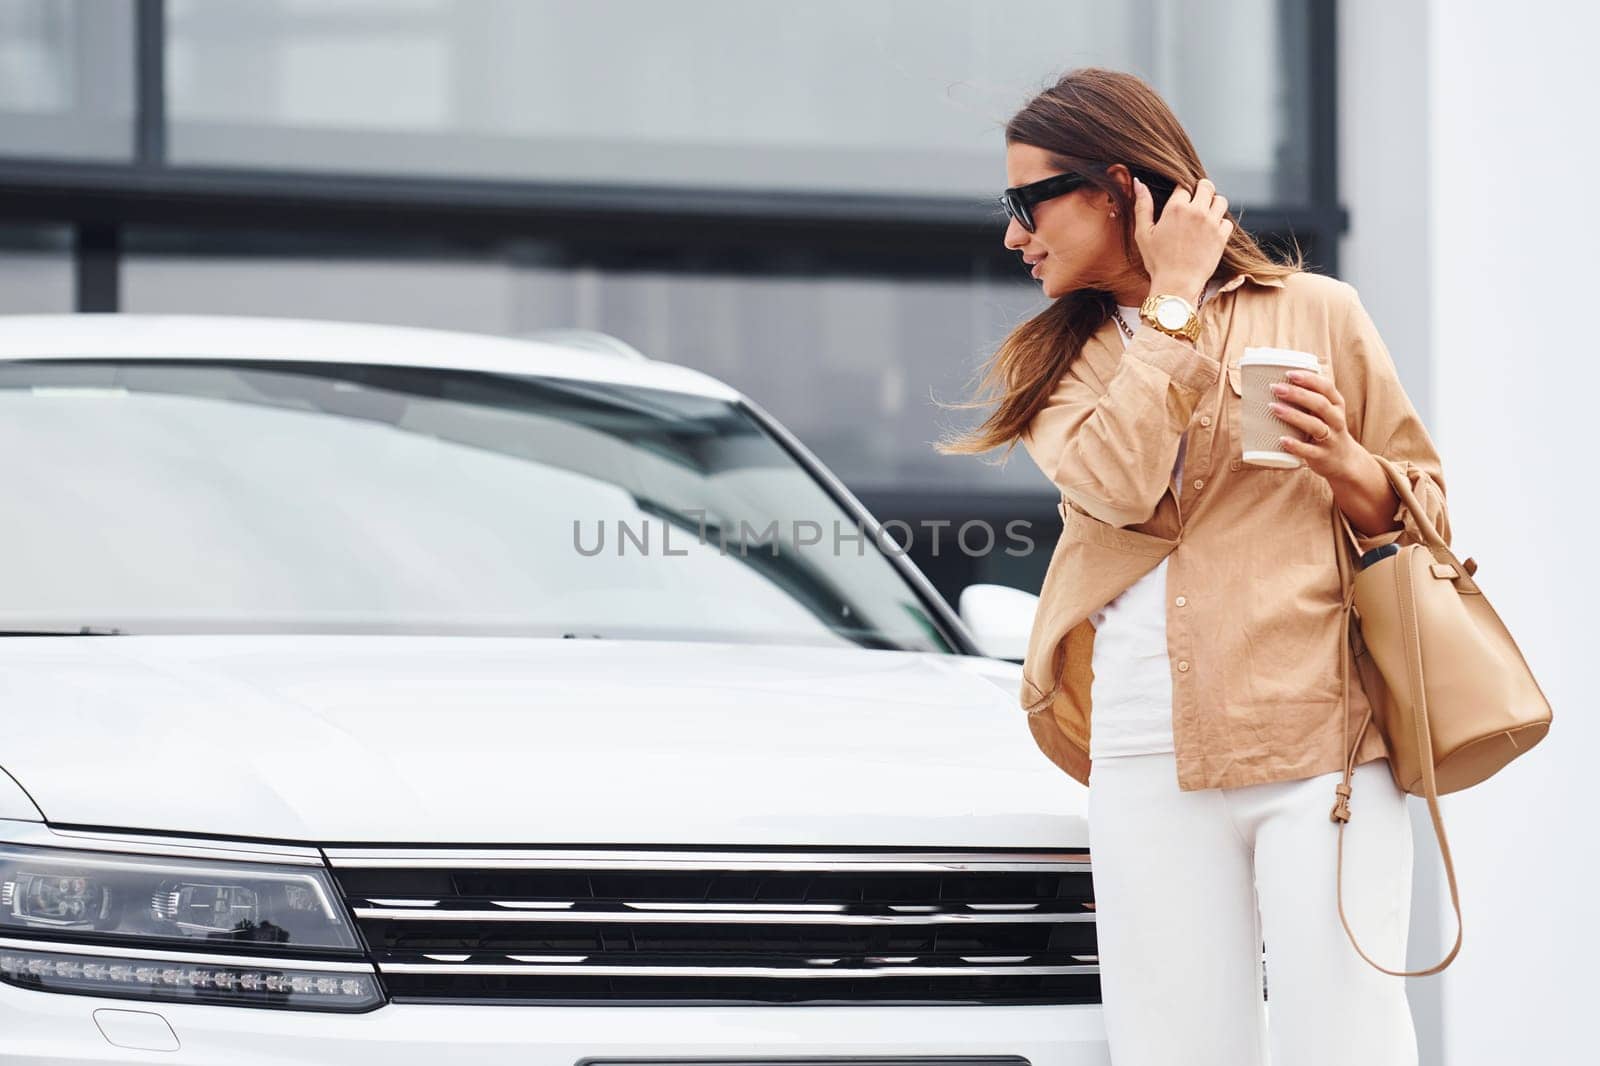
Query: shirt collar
x=1108, y=329
x=1259, y=279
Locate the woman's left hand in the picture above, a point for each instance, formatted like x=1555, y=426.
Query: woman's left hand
x=1312, y=404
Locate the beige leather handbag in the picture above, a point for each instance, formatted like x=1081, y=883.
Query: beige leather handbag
x=1451, y=691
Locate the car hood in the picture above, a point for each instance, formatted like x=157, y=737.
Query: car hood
x=419, y=740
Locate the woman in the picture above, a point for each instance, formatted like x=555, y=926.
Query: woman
x=1194, y=601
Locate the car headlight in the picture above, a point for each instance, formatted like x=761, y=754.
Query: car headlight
x=251, y=934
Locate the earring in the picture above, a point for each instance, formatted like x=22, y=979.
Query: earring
x=1113, y=213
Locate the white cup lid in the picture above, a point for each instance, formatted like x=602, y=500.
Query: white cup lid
x=1279, y=357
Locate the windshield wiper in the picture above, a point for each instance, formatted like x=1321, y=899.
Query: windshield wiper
x=81, y=631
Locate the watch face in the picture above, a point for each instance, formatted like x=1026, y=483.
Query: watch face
x=1172, y=314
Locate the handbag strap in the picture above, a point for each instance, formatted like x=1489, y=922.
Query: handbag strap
x=1424, y=737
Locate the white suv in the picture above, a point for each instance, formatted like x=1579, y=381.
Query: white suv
x=393, y=695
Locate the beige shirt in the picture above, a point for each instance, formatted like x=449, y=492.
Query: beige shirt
x=1254, y=619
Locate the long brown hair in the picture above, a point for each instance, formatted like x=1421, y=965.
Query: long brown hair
x=1090, y=118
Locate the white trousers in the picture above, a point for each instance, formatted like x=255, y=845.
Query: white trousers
x=1189, y=886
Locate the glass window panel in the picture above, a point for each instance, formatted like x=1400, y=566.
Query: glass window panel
x=897, y=96
x=67, y=79
x=36, y=272
x=850, y=364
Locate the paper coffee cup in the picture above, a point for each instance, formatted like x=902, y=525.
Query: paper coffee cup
x=1259, y=428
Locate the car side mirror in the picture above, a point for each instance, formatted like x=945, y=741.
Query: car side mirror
x=1000, y=617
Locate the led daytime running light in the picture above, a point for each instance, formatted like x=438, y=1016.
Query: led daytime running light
x=246, y=984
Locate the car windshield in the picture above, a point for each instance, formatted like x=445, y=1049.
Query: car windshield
x=255, y=496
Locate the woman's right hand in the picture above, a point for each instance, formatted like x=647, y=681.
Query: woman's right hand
x=1181, y=250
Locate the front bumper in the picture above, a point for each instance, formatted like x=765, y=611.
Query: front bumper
x=49, y=1029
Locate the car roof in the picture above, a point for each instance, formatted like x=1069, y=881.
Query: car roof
x=124, y=335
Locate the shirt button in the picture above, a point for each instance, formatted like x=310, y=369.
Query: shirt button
x=1199, y=483
x=1205, y=420
x=1183, y=665
x=1181, y=600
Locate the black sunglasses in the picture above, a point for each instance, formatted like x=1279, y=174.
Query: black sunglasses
x=1018, y=199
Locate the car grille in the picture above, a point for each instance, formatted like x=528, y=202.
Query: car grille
x=527, y=926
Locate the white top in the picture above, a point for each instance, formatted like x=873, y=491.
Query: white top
x=1131, y=694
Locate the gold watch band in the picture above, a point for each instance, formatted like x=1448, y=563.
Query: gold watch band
x=1189, y=331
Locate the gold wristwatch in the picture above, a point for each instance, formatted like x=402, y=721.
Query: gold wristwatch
x=1172, y=315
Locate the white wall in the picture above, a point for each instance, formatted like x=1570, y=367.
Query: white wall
x=1474, y=244
x=1515, y=232
x=1384, y=170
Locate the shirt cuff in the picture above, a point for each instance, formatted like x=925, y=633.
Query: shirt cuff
x=1179, y=360
x=1401, y=514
